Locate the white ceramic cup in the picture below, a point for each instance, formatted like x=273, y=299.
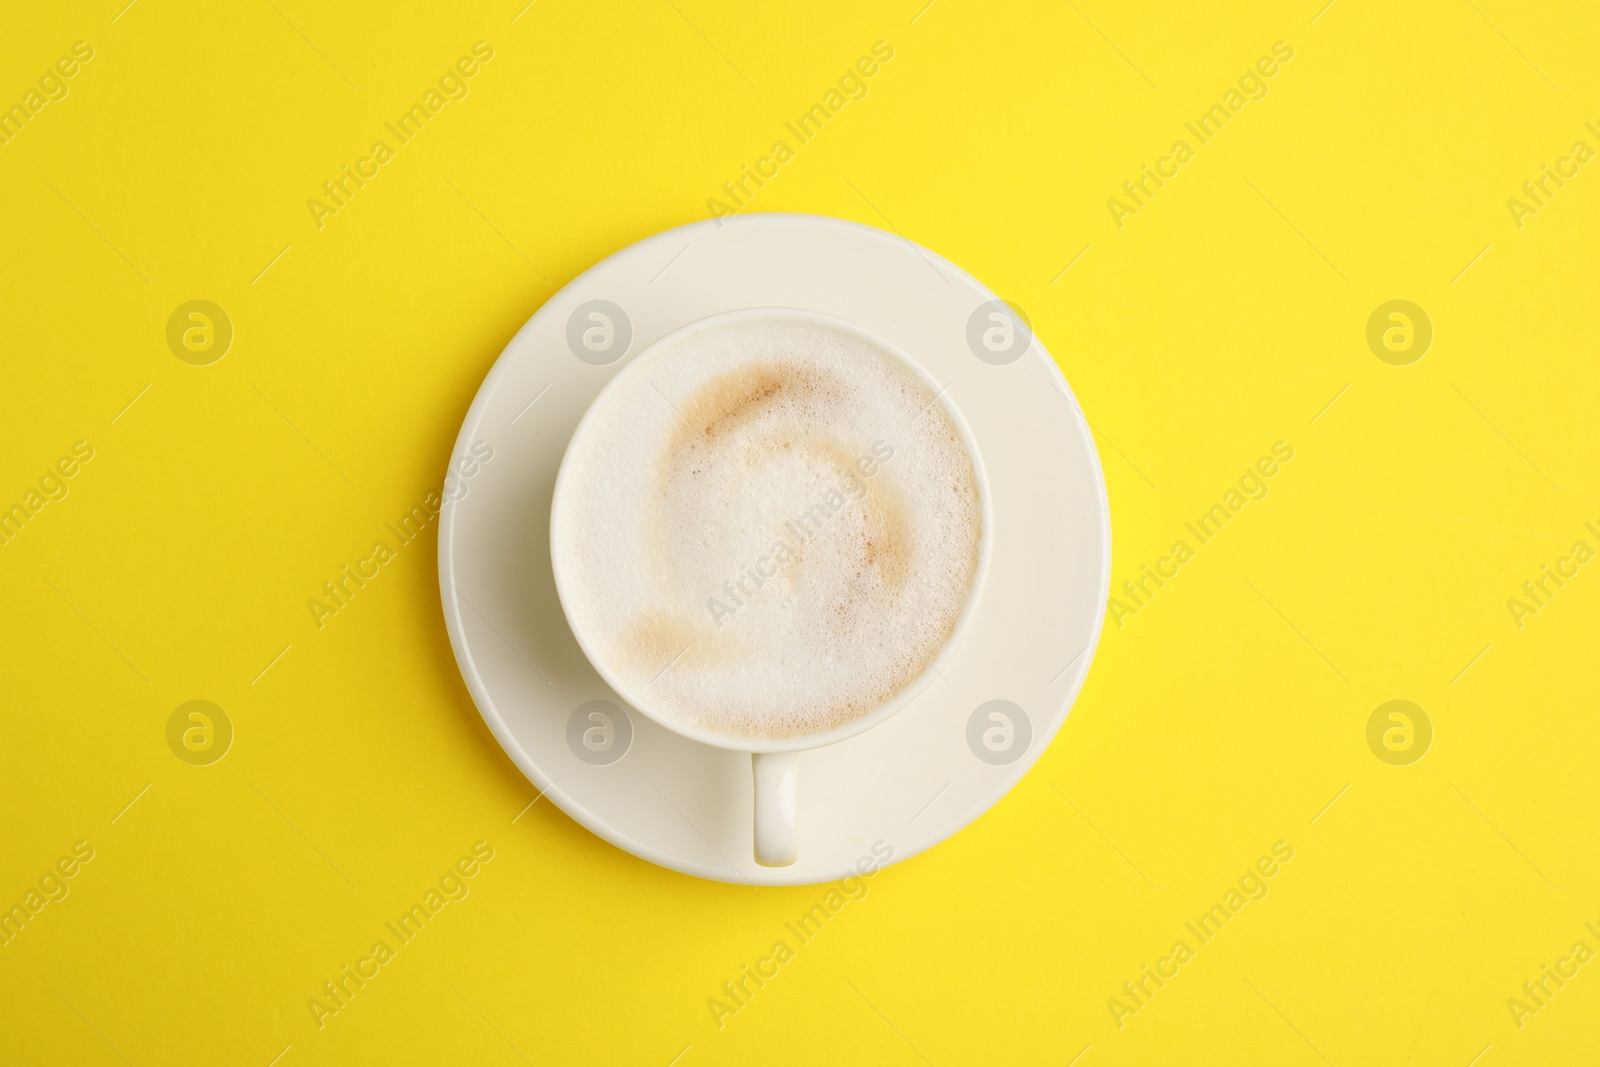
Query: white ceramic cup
x=775, y=762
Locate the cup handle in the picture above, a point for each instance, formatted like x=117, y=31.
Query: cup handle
x=777, y=776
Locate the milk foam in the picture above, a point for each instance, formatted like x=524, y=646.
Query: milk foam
x=769, y=530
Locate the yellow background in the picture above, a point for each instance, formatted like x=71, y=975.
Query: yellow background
x=1224, y=316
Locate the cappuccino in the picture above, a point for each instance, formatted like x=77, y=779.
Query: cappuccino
x=767, y=529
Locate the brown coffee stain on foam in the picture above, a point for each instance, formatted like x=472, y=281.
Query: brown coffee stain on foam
x=655, y=638
x=873, y=529
x=713, y=412
x=736, y=397
x=888, y=547
x=885, y=533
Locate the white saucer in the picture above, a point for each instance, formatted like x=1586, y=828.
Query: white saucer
x=902, y=786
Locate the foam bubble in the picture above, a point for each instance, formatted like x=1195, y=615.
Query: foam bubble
x=770, y=530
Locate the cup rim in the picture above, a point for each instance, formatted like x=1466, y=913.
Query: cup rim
x=912, y=689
